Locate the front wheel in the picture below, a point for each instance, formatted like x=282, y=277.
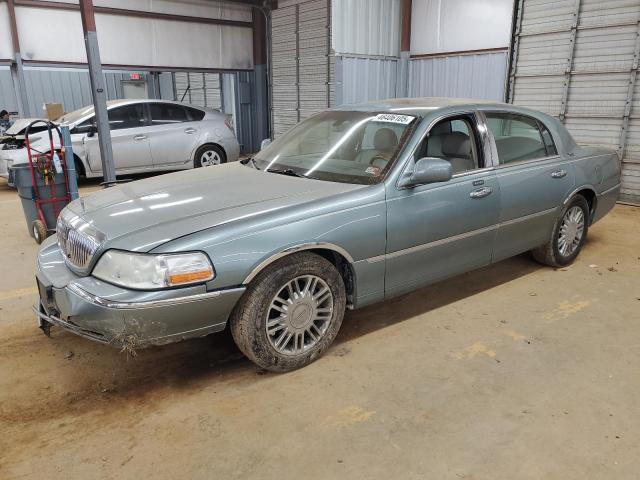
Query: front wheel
x=209, y=155
x=291, y=312
x=568, y=235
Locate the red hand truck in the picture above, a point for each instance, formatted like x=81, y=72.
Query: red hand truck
x=45, y=166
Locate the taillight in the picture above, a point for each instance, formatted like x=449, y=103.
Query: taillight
x=229, y=123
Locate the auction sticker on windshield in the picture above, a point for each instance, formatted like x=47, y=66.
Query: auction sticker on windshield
x=393, y=118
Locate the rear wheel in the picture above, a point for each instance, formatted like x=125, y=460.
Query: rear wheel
x=568, y=235
x=209, y=155
x=291, y=312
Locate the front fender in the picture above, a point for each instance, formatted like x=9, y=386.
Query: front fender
x=354, y=226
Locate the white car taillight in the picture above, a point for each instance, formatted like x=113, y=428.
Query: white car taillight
x=229, y=123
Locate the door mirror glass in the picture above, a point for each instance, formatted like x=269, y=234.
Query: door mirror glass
x=265, y=143
x=427, y=170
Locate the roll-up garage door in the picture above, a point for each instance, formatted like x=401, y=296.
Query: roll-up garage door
x=302, y=66
x=578, y=60
x=199, y=89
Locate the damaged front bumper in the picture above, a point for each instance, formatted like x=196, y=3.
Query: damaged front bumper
x=126, y=318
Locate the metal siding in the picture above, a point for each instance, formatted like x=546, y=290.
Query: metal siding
x=68, y=86
x=367, y=79
x=203, y=89
x=441, y=26
x=366, y=27
x=597, y=77
x=470, y=76
x=7, y=93
x=128, y=40
x=302, y=64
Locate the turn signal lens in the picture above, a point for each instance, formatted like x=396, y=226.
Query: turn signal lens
x=181, y=278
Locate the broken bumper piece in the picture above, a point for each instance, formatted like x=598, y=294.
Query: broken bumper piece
x=126, y=318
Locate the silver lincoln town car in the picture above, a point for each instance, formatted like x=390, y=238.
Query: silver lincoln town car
x=352, y=206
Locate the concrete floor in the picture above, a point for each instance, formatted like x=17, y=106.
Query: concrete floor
x=515, y=371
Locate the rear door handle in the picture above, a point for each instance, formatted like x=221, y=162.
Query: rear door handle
x=139, y=137
x=481, y=192
x=558, y=173
x=189, y=130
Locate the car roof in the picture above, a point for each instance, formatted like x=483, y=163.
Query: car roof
x=421, y=106
x=120, y=102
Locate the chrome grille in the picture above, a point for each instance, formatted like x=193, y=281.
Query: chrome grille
x=77, y=247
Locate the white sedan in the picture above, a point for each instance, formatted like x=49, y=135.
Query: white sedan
x=146, y=135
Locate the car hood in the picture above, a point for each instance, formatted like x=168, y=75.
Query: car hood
x=144, y=214
x=17, y=128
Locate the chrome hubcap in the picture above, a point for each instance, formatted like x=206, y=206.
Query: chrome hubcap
x=571, y=231
x=299, y=315
x=210, y=157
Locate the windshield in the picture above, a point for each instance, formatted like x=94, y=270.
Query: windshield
x=339, y=146
x=74, y=116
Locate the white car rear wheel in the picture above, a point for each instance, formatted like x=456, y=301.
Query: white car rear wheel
x=209, y=155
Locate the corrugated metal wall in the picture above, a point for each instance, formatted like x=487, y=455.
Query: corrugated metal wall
x=366, y=27
x=578, y=60
x=303, y=62
x=439, y=26
x=363, y=79
x=200, y=89
x=469, y=76
x=68, y=86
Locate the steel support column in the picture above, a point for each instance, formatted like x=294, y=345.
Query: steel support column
x=569, y=62
x=261, y=68
x=98, y=91
x=622, y=143
x=402, y=84
x=515, y=49
x=17, y=69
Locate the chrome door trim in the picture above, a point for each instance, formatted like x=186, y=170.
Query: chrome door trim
x=436, y=243
x=454, y=238
x=294, y=249
x=102, y=302
x=576, y=190
x=527, y=217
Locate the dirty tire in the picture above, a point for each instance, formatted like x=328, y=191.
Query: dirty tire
x=40, y=232
x=208, y=155
x=248, y=322
x=549, y=253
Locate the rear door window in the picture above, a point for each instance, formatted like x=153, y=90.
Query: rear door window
x=517, y=137
x=167, y=113
x=129, y=116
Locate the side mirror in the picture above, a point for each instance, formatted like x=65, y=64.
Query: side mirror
x=427, y=170
x=92, y=130
x=265, y=143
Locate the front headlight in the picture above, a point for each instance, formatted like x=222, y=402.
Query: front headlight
x=143, y=271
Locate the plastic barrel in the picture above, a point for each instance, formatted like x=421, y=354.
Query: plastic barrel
x=21, y=176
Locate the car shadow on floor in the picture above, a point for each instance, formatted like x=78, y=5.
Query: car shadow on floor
x=216, y=357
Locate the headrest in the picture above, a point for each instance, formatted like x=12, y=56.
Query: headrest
x=385, y=140
x=456, y=144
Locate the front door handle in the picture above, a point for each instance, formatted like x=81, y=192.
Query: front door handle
x=189, y=130
x=139, y=137
x=558, y=173
x=481, y=192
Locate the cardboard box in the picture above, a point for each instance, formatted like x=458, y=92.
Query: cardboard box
x=54, y=110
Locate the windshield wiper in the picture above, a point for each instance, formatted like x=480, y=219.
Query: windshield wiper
x=253, y=162
x=286, y=171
